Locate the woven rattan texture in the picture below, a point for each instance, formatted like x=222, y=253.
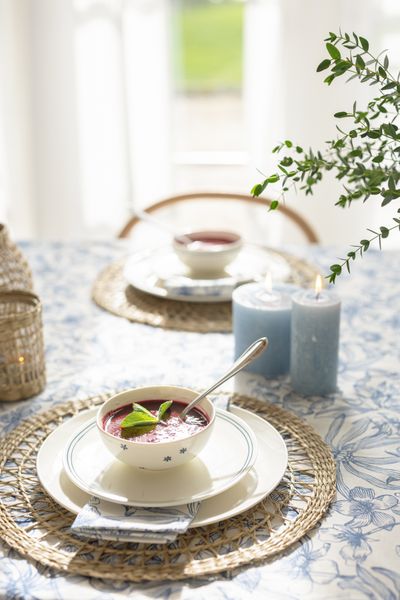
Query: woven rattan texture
x=22, y=366
x=38, y=528
x=15, y=273
x=112, y=292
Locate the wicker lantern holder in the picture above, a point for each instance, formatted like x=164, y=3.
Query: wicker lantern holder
x=15, y=273
x=22, y=366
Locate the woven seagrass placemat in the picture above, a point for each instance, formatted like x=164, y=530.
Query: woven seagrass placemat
x=112, y=292
x=38, y=528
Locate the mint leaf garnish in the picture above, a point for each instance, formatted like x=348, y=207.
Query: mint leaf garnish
x=141, y=420
x=138, y=419
x=164, y=407
x=140, y=408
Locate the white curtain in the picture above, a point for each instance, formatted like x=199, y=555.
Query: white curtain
x=84, y=97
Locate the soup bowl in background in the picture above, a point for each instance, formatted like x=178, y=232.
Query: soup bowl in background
x=207, y=252
x=156, y=455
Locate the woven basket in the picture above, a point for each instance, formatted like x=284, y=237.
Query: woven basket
x=22, y=367
x=15, y=273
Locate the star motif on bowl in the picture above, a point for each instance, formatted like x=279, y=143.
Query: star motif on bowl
x=182, y=450
x=124, y=447
x=167, y=458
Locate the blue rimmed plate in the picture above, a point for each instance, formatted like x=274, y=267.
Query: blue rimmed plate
x=229, y=455
x=262, y=478
x=160, y=273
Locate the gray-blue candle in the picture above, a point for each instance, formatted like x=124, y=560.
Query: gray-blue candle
x=259, y=312
x=315, y=342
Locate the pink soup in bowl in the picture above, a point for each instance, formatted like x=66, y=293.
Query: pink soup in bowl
x=169, y=443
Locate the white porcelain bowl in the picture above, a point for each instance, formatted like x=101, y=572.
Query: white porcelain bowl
x=153, y=455
x=207, y=252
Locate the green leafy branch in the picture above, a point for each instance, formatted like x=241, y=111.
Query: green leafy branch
x=364, y=157
x=362, y=247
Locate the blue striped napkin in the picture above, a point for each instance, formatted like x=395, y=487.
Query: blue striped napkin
x=103, y=520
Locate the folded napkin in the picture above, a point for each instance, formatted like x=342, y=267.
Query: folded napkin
x=184, y=286
x=103, y=520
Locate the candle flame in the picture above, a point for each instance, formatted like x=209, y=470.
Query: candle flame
x=318, y=286
x=21, y=359
x=268, y=282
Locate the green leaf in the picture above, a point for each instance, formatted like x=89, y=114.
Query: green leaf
x=387, y=200
x=382, y=72
x=386, y=62
x=336, y=269
x=288, y=143
x=364, y=43
x=329, y=79
x=323, y=65
x=274, y=205
x=138, y=418
x=360, y=62
x=389, y=85
x=135, y=419
x=333, y=51
x=282, y=169
x=384, y=231
x=257, y=190
x=139, y=408
x=273, y=178
x=340, y=115
x=331, y=278
x=365, y=244
x=164, y=407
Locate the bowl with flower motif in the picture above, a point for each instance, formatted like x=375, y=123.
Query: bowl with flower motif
x=142, y=426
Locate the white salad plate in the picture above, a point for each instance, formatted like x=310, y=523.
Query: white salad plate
x=160, y=273
x=230, y=452
x=259, y=481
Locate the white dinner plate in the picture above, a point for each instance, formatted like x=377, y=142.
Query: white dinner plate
x=261, y=480
x=229, y=454
x=159, y=272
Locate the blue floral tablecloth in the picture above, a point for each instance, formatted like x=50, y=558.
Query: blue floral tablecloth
x=355, y=553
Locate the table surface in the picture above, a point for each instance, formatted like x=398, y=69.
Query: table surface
x=355, y=552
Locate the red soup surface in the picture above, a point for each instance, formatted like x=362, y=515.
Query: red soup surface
x=218, y=239
x=173, y=428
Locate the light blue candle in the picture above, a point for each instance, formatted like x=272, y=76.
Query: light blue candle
x=315, y=342
x=259, y=312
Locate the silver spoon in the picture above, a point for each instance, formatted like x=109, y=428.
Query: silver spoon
x=247, y=357
x=148, y=218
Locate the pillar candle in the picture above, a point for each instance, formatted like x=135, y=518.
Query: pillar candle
x=315, y=342
x=260, y=312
